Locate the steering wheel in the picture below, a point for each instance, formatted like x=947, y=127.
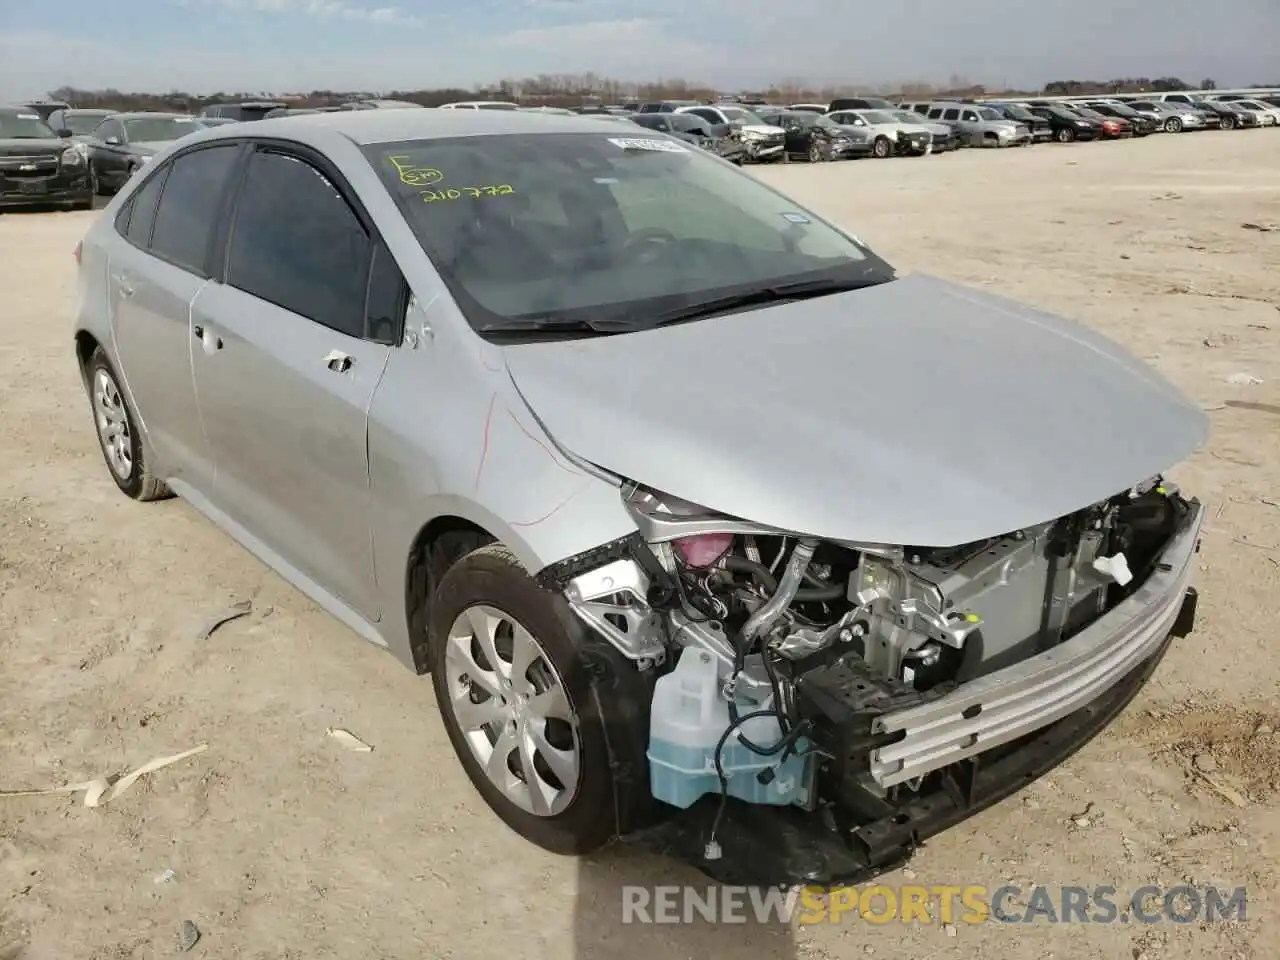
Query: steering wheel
x=648, y=244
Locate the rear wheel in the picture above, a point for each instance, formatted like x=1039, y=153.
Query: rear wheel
x=118, y=435
x=509, y=669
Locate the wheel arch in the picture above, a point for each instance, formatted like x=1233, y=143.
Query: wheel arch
x=86, y=344
x=440, y=543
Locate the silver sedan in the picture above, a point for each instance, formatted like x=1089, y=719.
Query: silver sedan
x=709, y=528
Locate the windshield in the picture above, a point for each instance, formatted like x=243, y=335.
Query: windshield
x=739, y=115
x=82, y=123
x=1017, y=112
x=16, y=125
x=877, y=116
x=1087, y=112
x=153, y=129
x=986, y=113
x=603, y=229
x=820, y=120
x=906, y=116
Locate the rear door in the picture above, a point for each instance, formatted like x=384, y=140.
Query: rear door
x=289, y=351
x=152, y=277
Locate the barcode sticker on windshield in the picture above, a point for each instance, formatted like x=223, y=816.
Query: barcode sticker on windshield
x=638, y=143
x=796, y=218
x=28, y=116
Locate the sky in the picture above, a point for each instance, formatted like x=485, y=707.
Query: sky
x=203, y=46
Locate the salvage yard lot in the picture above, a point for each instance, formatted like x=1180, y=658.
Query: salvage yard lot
x=283, y=845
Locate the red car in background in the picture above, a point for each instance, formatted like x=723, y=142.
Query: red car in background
x=1113, y=128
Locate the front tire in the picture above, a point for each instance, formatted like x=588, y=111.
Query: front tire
x=510, y=672
x=815, y=154
x=1173, y=125
x=118, y=434
x=1066, y=135
x=881, y=148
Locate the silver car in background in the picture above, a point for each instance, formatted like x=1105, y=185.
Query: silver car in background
x=1172, y=117
x=982, y=126
x=624, y=448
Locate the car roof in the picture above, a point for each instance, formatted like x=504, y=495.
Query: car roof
x=95, y=111
x=388, y=126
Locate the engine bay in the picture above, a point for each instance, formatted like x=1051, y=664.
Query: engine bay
x=776, y=656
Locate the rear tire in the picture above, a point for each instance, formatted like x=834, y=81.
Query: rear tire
x=118, y=434
x=544, y=718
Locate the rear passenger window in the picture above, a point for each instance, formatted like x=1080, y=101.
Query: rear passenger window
x=189, y=205
x=143, y=209
x=970, y=115
x=296, y=243
x=951, y=115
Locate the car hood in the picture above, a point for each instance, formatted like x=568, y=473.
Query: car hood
x=910, y=128
x=148, y=148
x=915, y=412
x=32, y=148
x=764, y=129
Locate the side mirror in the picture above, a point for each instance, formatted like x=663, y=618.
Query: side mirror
x=64, y=133
x=114, y=141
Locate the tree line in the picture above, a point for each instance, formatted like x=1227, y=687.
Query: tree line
x=583, y=89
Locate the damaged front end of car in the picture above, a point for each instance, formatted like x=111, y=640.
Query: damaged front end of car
x=821, y=707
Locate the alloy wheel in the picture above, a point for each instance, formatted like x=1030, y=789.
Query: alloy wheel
x=815, y=153
x=1173, y=125
x=112, y=420
x=511, y=706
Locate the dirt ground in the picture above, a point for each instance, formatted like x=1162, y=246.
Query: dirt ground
x=284, y=845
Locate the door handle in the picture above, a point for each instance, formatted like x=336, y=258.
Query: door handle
x=338, y=362
x=214, y=343
x=122, y=284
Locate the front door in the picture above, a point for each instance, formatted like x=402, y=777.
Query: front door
x=285, y=375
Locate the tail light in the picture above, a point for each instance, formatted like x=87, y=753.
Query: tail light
x=703, y=549
x=76, y=253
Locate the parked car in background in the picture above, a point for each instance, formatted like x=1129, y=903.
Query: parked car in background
x=124, y=143
x=480, y=105
x=554, y=111
x=809, y=107
x=1113, y=128
x=816, y=137
x=1172, y=117
x=982, y=126
x=44, y=109
x=381, y=104
x=890, y=136
x=945, y=136
x=860, y=103
x=245, y=111
x=1142, y=124
x=206, y=122
x=1067, y=125
x=717, y=138
x=1268, y=113
x=302, y=330
x=665, y=106
x=1228, y=115
x=765, y=142
x=296, y=112
x=1041, y=129
x=77, y=123
x=37, y=166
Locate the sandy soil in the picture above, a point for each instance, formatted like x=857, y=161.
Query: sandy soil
x=283, y=845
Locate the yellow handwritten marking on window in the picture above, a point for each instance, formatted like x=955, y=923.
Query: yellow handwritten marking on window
x=457, y=193
x=414, y=176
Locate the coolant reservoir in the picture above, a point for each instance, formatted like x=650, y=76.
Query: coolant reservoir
x=688, y=718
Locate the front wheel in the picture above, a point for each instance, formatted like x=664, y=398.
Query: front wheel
x=1173, y=125
x=1228, y=123
x=882, y=148
x=1066, y=135
x=815, y=153
x=516, y=698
